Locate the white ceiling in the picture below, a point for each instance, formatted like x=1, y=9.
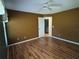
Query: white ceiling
x=35, y=6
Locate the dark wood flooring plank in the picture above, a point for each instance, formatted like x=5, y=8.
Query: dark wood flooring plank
x=44, y=48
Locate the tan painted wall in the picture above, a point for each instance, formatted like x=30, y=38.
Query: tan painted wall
x=22, y=25
x=67, y=24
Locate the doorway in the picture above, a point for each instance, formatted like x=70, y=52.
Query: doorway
x=44, y=26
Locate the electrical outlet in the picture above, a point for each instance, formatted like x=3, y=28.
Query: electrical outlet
x=25, y=37
x=18, y=39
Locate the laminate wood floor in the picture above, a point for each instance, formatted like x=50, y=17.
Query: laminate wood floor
x=44, y=48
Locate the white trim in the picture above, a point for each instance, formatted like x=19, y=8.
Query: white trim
x=23, y=41
x=49, y=18
x=69, y=41
x=5, y=34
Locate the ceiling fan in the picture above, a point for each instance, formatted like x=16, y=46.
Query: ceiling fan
x=50, y=4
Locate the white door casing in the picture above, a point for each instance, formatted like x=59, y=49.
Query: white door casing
x=41, y=26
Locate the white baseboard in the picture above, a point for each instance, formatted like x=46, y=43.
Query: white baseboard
x=69, y=41
x=23, y=41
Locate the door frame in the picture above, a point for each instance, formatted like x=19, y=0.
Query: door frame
x=50, y=19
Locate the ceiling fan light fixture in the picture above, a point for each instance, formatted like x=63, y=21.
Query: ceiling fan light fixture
x=49, y=6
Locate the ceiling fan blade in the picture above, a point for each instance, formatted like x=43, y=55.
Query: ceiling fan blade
x=55, y=4
x=49, y=5
x=50, y=9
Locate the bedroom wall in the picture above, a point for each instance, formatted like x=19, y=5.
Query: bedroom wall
x=66, y=24
x=22, y=26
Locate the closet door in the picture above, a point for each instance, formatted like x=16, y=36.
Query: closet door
x=41, y=27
